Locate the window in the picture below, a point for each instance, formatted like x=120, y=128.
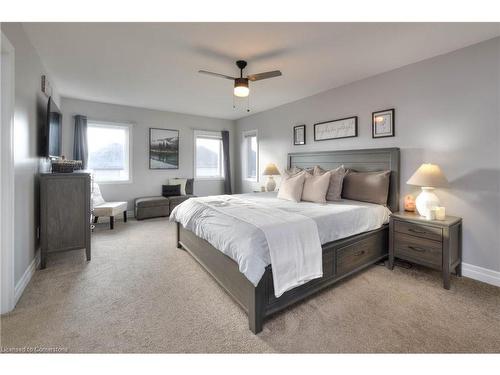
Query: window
x=208, y=155
x=109, y=151
x=250, y=155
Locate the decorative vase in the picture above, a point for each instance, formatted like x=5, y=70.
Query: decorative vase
x=426, y=201
x=271, y=184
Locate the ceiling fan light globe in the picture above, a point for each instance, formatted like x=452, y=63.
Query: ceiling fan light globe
x=241, y=91
x=241, y=88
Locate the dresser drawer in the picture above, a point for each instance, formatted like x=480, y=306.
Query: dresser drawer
x=418, y=249
x=350, y=257
x=418, y=230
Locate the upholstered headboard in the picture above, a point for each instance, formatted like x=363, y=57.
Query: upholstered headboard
x=367, y=160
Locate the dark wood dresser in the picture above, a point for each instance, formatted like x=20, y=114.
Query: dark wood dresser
x=64, y=213
x=433, y=243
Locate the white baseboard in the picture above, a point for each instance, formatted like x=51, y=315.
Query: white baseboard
x=481, y=274
x=25, y=279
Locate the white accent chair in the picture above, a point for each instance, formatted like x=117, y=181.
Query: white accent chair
x=109, y=209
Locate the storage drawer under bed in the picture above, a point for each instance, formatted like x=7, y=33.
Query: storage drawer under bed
x=355, y=255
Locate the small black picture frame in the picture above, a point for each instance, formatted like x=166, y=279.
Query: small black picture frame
x=384, y=123
x=346, y=127
x=299, y=135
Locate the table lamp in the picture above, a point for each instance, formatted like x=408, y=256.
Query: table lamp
x=428, y=177
x=270, y=171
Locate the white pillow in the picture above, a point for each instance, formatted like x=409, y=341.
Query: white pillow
x=179, y=181
x=97, y=198
x=315, y=187
x=291, y=187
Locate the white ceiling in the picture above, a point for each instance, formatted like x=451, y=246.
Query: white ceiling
x=155, y=65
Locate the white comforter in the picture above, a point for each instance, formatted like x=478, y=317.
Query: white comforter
x=247, y=244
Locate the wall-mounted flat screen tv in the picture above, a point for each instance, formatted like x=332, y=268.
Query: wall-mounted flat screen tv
x=51, y=145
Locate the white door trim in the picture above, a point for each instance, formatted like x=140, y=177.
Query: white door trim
x=7, y=96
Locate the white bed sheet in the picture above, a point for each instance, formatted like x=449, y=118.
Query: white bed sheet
x=247, y=245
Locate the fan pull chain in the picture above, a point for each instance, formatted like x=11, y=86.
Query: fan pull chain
x=248, y=103
x=234, y=106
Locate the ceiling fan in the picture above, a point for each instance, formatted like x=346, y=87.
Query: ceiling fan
x=241, y=87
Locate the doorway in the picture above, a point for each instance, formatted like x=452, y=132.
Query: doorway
x=7, y=99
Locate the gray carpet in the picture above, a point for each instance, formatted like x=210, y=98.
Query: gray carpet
x=141, y=294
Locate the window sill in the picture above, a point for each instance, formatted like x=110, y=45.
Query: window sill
x=119, y=182
x=209, y=178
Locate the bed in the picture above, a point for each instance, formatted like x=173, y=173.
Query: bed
x=341, y=257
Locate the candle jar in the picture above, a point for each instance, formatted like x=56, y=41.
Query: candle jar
x=431, y=214
x=440, y=213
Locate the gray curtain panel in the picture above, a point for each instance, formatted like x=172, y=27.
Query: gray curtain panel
x=227, y=162
x=80, y=145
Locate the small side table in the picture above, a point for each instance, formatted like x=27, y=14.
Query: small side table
x=433, y=243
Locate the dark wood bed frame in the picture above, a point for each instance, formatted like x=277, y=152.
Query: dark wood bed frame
x=341, y=258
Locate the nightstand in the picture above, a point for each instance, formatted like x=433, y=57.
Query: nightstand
x=433, y=243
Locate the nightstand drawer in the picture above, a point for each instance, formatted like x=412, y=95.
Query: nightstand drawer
x=418, y=249
x=419, y=230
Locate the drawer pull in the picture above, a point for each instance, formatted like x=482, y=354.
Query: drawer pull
x=417, y=231
x=359, y=253
x=419, y=249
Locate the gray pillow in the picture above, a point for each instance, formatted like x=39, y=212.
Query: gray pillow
x=372, y=187
x=337, y=177
x=189, y=186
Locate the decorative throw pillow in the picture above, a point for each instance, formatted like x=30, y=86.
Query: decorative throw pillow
x=189, y=186
x=291, y=187
x=370, y=187
x=315, y=187
x=170, y=190
x=292, y=171
x=97, y=198
x=179, y=181
x=334, y=192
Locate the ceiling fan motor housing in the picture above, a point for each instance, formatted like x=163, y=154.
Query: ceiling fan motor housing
x=241, y=82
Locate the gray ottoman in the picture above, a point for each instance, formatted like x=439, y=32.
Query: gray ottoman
x=147, y=207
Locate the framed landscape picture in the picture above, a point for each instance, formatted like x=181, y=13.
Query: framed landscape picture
x=383, y=123
x=299, y=135
x=336, y=129
x=163, y=148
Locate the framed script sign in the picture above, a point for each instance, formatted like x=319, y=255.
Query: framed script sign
x=335, y=129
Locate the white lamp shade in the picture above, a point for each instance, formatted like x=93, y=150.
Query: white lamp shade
x=428, y=175
x=271, y=170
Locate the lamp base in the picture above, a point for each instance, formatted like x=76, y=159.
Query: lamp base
x=271, y=184
x=426, y=201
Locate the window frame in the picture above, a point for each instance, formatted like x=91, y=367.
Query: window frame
x=212, y=134
x=121, y=125
x=245, y=135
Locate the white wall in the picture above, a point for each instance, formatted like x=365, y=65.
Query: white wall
x=146, y=182
x=447, y=112
x=27, y=164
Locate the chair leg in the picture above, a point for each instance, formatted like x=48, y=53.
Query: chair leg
x=95, y=219
x=124, y=216
x=111, y=222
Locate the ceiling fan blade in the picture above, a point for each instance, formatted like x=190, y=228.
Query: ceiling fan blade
x=265, y=75
x=216, y=74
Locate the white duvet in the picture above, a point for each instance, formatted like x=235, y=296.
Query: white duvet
x=242, y=240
